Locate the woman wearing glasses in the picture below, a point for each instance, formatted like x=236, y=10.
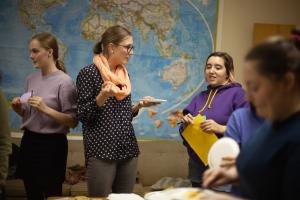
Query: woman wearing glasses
x=105, y=110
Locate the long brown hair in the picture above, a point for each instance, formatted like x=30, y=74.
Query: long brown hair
x=114, y=34
x=48, y=41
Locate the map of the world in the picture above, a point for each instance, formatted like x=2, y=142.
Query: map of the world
x=172, y=39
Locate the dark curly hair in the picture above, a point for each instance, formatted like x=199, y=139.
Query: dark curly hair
x=276, y=57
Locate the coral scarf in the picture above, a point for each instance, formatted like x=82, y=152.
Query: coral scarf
x=118, y=78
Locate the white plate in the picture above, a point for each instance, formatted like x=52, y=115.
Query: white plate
x=123, y=196
x=224, y=147
x=154, y=100
x=175, y=193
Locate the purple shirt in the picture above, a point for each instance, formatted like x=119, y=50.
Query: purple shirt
x=58, y=92
x=242, y=124
x=216, y=103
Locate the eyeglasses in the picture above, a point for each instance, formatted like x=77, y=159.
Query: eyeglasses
x=129, y=47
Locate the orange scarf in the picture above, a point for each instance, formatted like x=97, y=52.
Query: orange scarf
x=118, y=78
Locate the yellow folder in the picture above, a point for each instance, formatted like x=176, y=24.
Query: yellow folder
x=198, y=139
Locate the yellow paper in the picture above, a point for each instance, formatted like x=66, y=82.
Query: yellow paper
x=198, y=139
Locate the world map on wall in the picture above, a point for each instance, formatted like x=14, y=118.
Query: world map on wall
x=172, y=39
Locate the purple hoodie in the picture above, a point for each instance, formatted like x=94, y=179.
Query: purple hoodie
x=216, y=103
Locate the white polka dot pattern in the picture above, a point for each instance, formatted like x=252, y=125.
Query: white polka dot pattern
x=107, y=130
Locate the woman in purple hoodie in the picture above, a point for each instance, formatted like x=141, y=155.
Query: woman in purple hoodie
x=222, y=97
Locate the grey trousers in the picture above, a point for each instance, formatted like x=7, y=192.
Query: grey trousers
x=105, y=177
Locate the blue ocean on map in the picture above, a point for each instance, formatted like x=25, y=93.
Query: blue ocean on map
x=172, y=39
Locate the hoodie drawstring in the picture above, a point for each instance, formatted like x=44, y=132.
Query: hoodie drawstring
x=208, y=100
x=209, y=105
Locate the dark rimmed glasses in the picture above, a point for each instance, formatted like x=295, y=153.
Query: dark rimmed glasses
x=129, y=47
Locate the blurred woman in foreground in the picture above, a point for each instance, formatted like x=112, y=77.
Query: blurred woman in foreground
x=268, y=165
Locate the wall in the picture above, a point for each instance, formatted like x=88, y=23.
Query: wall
x=237, y=18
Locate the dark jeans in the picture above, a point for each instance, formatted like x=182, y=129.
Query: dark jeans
x=196, y=170
x=37, y=191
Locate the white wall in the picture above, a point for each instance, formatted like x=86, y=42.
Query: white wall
x=237, y=18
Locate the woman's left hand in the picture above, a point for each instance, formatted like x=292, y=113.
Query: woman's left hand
x=228, y=161
x=38, y=103
x=146, y=103
x=214, y=177
x=210, y=126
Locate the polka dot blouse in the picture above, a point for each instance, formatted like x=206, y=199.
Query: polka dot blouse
x=107, y=130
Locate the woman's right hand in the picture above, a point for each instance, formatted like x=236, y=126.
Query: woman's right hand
x=187, y=120
x=17, y=105
x=220, y=176
x=108, y=89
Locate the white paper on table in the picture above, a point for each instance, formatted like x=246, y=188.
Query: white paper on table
x=24, y=98
x=124, y=197
x=177, y=193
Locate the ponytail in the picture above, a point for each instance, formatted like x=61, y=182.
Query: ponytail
x=98, y=48
x=60, y=65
